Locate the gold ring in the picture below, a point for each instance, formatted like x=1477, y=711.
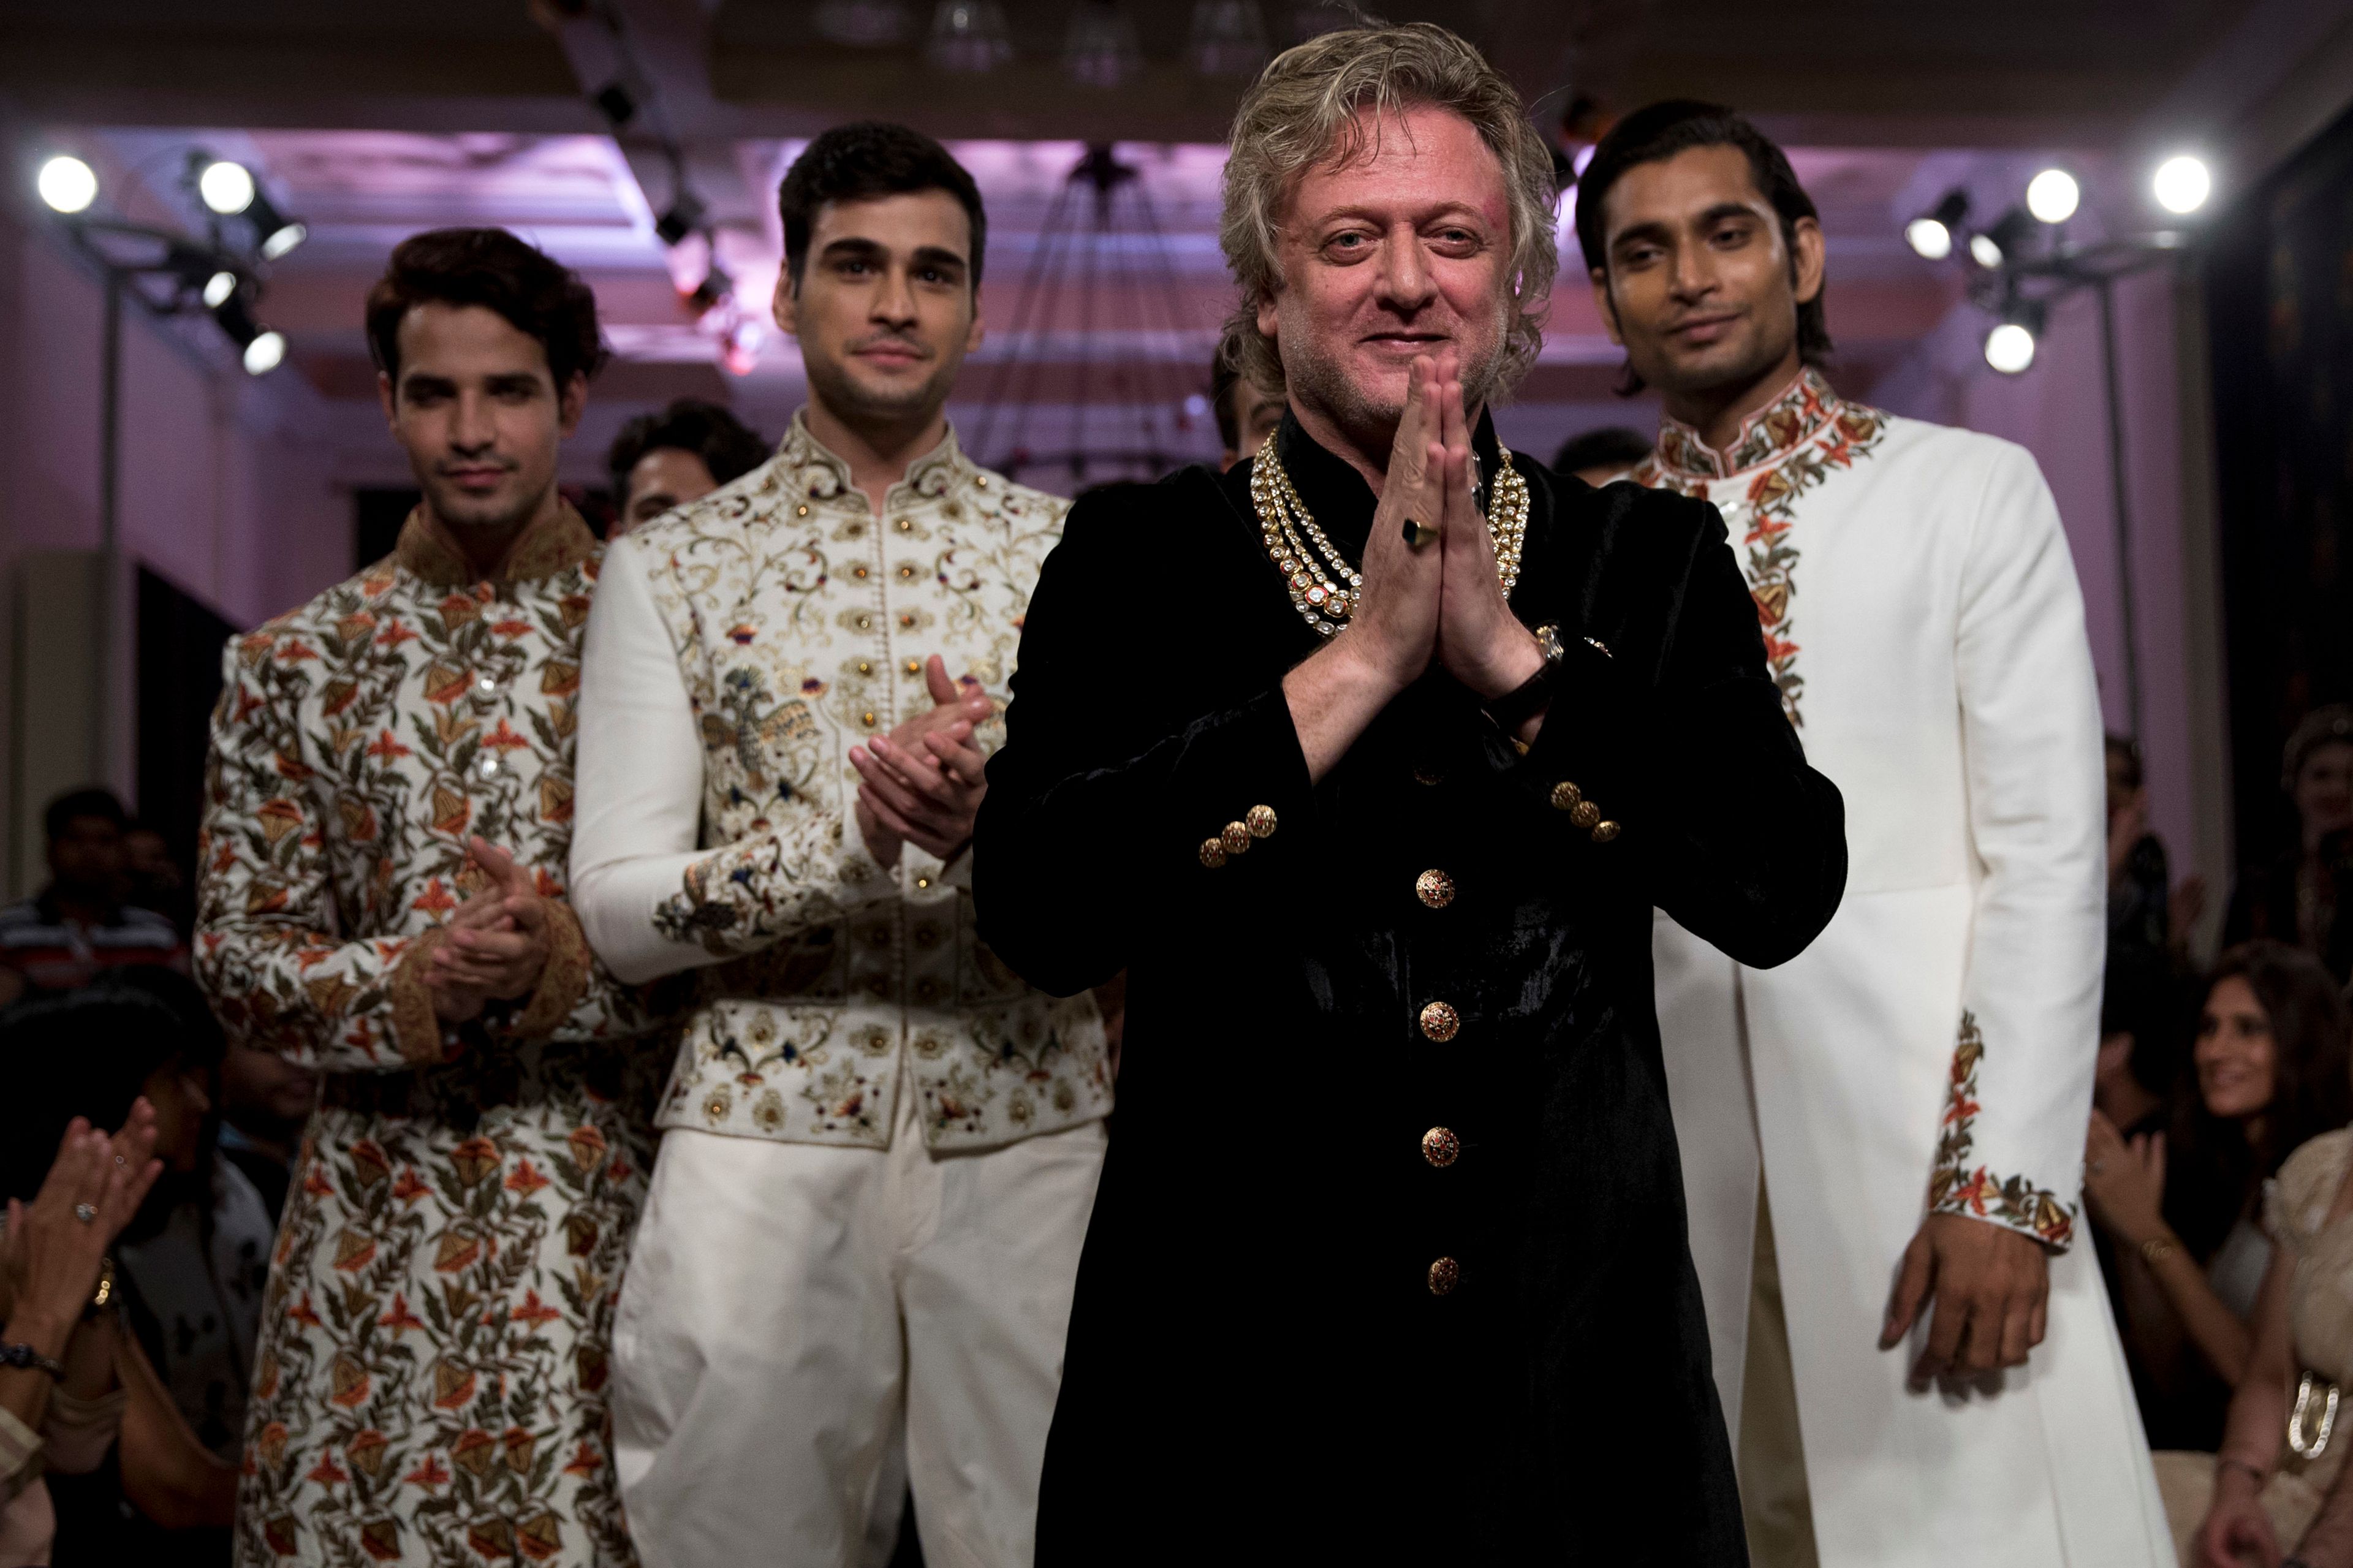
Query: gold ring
x=1418, y=534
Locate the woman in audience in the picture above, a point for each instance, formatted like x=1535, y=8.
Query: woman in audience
x=2296, y=898
x=59, y=1405
x=2270, y=1070
x=110, y=1055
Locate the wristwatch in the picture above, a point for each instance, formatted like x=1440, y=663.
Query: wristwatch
x=1525, y=701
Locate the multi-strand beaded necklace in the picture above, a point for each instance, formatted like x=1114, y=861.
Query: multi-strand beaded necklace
x=1323, y=586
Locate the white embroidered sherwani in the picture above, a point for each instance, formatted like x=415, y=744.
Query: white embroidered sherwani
x=743, y=643
x=1933, y=1049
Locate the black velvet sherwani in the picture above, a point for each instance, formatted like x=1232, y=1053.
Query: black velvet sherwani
x=1263, y=1367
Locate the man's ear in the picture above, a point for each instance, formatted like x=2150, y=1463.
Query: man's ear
x=786, y=305
x=572, y=402
x=1607, y=306
x=1808, y=265
x=979, y=328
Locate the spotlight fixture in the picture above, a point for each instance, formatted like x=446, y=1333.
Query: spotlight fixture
x=2009, y=347
x=263, y=350
x=710, y=294
x=686, y=210
x=228, y=188
x=219, y=288
x=1229, y=37
x=969, y=37
x=2183, y=183
x=615, y=103
x=2005, y=241
x=67, y=184
x=1100, y=51
x=2053, y=196
x=1930, y=235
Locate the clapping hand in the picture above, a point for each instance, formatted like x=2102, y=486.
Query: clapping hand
x=2125, y=1182
x=57, y=1243
x=498, y=940
x=923, y=784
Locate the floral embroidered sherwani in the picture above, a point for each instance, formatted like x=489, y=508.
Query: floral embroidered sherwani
x=787, y=623
x=1933, y=1050
x=430, y=1384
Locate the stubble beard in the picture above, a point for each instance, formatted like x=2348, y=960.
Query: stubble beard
x=465, y=515
x=1370, y=419
x=864, y=407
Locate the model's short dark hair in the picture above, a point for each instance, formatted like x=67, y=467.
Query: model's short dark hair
x=1660, y=132
x=861, y=163
x=728, y=447
x=491, y=267
x=74, y=805
x=1613, y=445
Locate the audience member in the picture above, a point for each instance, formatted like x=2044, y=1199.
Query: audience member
x=2278, y=1477
x=116, y=1053
x=78, y=927
x=681, y=454
x=1598, y=456
x=2270, y=1071
x=2145, y=908
x=264, y=1099
x=2295, y=897
x=1246, y=411
x=153, y=879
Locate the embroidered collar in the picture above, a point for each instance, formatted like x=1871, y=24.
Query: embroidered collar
x=823, y=473
x=1337, y=494
x=554, y=543
x=1766, y=437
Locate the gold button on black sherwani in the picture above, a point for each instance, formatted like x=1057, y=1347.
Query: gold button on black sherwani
x=1438, y=994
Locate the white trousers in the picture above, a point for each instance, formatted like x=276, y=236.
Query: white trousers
x=805, y=1330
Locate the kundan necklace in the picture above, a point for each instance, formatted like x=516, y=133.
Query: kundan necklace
x=1323, y=586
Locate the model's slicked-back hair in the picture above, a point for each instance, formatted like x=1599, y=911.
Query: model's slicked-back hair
x=491, y=267
x=1302, y=111
x=1658, y=131
x=864, y=161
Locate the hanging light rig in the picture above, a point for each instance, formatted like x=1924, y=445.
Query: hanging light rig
x=1102, y=264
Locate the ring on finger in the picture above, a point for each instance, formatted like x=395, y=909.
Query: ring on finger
x=1417, y=534
x=86, y=1213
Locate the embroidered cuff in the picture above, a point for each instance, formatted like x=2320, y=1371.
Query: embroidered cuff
x=562, y=982
x=1957, y=1186
x=416, y=1028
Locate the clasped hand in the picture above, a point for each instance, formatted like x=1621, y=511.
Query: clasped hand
x=1442, y=601
x=498, y=940
x=923, y=784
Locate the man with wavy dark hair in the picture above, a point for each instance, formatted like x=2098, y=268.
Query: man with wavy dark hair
x=1913, y=1093
x=680, y=454
x=1368, y=761
x=387, y=820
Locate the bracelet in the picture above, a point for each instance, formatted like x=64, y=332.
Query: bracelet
x=27, y=1359
x=2157, y=1248
x=2255, y=1472
x=103, y=1297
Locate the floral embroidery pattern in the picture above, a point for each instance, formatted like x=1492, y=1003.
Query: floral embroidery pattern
x=802, y=621
x=1800, y=441
x=429, y=1387
x=1954, y=1188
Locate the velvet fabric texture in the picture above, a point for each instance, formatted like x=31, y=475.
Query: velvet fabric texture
x=1259, y=1369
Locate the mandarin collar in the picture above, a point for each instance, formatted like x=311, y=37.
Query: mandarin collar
x=552, y=544
x=823, y=473
x=1336, y=495
x=1766, y=437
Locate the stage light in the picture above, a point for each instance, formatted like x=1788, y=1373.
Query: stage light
x=2009, y=347
x=1930, y=235
x=219, y=288
x=615, y=103
x=1099, y=50
x=1229, y=37
x=2182, y=185
x=265, y=353
x=228, y=188
x=66, y=183
x=283, y=238
x=2004, y=242
x=969, y=36
x=686, y=210
x=2052, y=195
